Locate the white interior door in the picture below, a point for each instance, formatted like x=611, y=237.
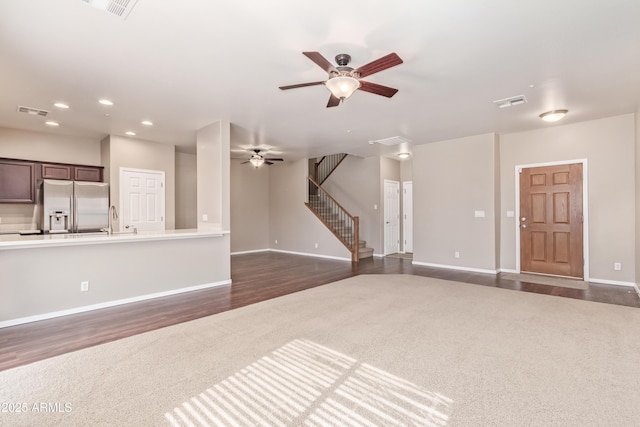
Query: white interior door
x=142, y=200
x=407, y=210
x=391, y=217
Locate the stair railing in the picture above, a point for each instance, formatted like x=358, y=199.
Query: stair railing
x=341, y=223
x=326, y=166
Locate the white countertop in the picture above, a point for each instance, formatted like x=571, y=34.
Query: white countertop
x=16, y=241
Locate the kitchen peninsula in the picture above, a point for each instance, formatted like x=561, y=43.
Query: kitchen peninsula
x=42, y=276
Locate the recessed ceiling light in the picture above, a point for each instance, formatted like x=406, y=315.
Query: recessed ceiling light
x=553, y=115
x=105, y=102
x=52, y=123
x=130, y=133
x=147, y=123
x=404, y=155
x=61, y=105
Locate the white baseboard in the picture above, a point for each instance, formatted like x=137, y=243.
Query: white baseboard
x=455, y=267
x=508, y=270
x=379, y=255
x=611, y=282
x=253, y=251
x=76, y=310
x=312, y=255
x=635, y=285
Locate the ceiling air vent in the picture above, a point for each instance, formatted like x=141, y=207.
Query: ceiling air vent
x=394, y=140
x=33, y=111
x=120, y=8
x=510, y=102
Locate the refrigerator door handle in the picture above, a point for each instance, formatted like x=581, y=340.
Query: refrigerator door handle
x=74, y=226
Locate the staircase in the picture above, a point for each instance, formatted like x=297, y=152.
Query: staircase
x=340, y=222
x=326, y=165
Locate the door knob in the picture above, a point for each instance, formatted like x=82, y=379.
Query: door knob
x=523, y=219
x=524, y=225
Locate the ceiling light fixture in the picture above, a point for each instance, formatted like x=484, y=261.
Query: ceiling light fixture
x=52, y=123
x=256, y=161
x=130, y=133
x=105, y=102
x=147, y=123
x=342, y=86
x=61, y=105
x=553, y=115
x=404, y=155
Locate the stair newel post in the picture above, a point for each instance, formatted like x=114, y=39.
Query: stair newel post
x=355, y=255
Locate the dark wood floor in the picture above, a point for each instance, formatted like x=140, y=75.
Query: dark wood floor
x=256, y=277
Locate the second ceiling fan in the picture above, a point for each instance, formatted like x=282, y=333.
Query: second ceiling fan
x=258, y=159
x=344, y=80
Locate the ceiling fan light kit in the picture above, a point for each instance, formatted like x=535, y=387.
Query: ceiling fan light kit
x=343, y=81
x=553, y=115
x=342, y=87
x=258, y=159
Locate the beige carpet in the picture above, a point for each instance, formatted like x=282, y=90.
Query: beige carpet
x=371, y=350
x=547, y=280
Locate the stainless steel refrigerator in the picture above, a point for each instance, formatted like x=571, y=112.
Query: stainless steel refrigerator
x=74, y=206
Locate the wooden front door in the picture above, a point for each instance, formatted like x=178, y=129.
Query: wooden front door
x=551, y=220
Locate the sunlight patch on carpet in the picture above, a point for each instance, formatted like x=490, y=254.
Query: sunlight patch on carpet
x=304, y=383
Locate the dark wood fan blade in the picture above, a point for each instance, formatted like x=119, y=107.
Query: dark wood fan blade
x=267, y=162
x=244, y=162
x=274, y=160
x=321, y=61
x=302, y=85
x=378, y=65
x=334, y=101
x=377, y=89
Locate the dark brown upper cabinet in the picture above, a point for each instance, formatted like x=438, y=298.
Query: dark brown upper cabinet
x=87, y=173
x=17, y=181
x=74, y=172
x=19, y=178
x=53, y=171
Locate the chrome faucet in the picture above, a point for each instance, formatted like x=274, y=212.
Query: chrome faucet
x=113, y=214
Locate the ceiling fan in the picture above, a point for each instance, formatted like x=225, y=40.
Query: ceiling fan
x=258, y=159
x=344, y=80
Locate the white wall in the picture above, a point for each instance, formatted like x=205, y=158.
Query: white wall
x=186, y=191
x=249, y=206
x=609, y=147
x=406, y=169
x=49, y=147
x=291, y=223
x=141, y=154
x=455, y=178
x=355, y=184
x=213, y=172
